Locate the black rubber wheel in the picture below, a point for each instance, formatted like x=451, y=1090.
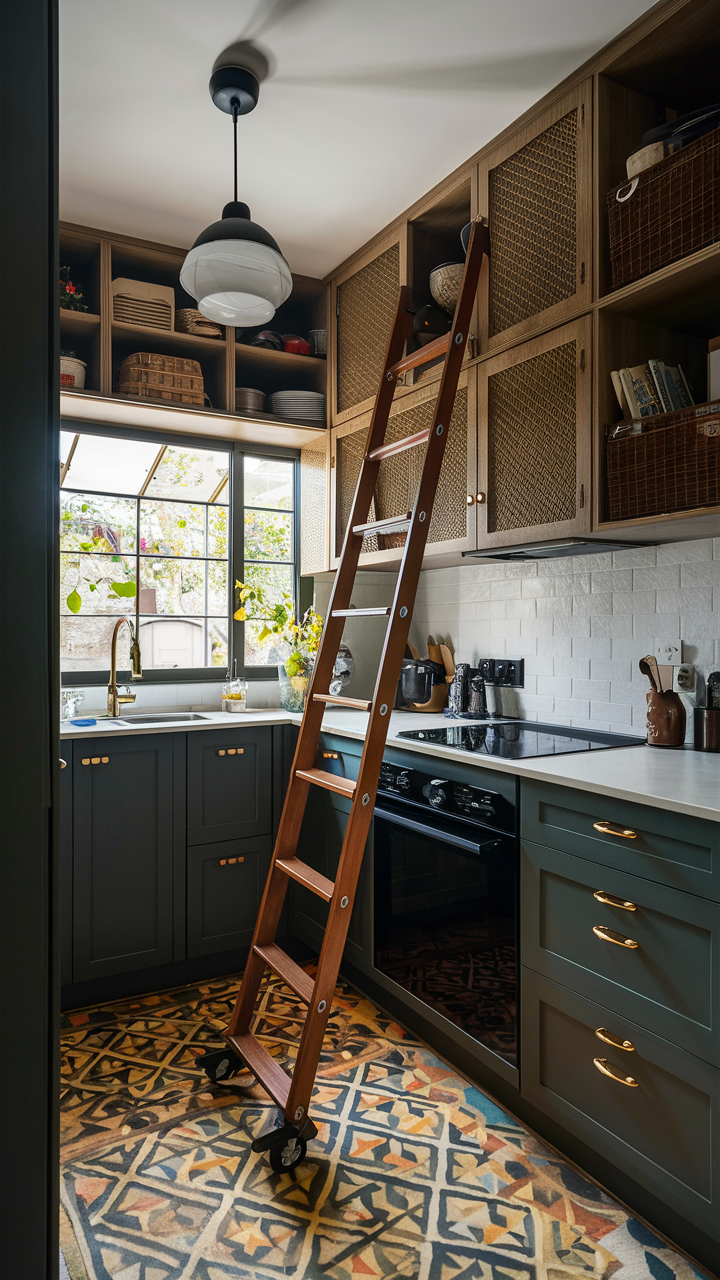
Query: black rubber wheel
x=288, y=1154
x=220, y=1065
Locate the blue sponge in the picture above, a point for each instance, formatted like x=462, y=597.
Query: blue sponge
x=82, y=723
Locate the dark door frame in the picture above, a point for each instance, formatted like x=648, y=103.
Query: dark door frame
x=29, y=688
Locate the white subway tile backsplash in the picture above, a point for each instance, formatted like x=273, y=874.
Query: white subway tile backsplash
x=538, y=586
x=611, y=624
x=540, y=627
x=576, y=668
x=595, y=647
x=554, y=606
x=611, y=580
x=662, y=579
x=568, y=708
x=685, y=552
x=509, y=590
x=699, y=575
x=610, y=669
x=597, y=603
x=555, y=686
x=571, y=626
x=633, y=557
x=633, y=602
x=597, y=690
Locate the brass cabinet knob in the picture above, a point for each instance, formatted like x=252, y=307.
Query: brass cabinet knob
x=603, y=1034
x=610, y=829
x=480, y=498
x=608, y=1069
x=609, y=935
x=611, y=901
x=471, y=500
x=63, y=764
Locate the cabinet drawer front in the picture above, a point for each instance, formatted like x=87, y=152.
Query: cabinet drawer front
x=672, y=848
x=225, y=885
x=667, y=982
x=229, y=784
x=663, y=1132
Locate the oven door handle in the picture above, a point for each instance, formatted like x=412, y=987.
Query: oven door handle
x=423, y=829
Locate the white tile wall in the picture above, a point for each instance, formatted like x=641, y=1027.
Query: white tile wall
x=581, y=624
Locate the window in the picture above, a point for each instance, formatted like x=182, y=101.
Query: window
x=135, y=510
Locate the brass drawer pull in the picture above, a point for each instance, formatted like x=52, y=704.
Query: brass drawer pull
x=611, y=901
x=96, y=760
x=609, y=829
x=608, y=1069
x=231, y=751
x=602, y=1033
x=609, y=935
x=230, y=862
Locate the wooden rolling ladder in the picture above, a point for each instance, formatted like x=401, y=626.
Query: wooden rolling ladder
x=286, y=1144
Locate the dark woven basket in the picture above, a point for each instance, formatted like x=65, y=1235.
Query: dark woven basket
x=672, y=210
x=673, y=464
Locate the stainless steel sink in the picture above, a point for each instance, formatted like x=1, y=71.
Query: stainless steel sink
x=161, y=717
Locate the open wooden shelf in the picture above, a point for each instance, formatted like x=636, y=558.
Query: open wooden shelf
x=264, y=356
x=182, y=342
x=683, y=295
x=77, y=323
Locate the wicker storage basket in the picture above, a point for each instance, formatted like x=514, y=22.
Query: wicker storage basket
x=672, y=464
x=666, y=212
x=136, y=302
x=146, y=376
x=190, y=320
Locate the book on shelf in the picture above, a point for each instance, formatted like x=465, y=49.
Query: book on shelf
x=713, y=371
x=648, y=389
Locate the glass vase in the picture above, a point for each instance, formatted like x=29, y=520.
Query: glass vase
x=294, y=675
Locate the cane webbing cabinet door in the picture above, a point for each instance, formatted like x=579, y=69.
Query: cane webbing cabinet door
x=534, y=415
x=452, y=526
x=365, y=298
x=536, y=192
x=314, y=506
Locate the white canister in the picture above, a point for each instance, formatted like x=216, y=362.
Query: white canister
x=72, y=373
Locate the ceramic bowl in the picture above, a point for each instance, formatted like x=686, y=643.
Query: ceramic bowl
x=445, y=282
x=249, y=400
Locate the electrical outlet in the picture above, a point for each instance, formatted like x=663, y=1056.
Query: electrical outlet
x=505, y=673
x=668, y=651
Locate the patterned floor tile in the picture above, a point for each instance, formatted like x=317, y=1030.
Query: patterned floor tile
x=414, y=1174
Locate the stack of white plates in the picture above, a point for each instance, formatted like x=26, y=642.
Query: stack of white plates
x=300, y=406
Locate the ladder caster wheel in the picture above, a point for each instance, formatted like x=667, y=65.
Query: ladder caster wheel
x=220, y=1065
x=286, y=1155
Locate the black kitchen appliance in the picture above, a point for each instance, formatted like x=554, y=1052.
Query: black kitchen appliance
x=445, y=899
x=520, y=739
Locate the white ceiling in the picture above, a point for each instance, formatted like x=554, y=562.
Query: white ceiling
x=367, y=105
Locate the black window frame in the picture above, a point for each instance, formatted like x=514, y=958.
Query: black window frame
x=238, y=450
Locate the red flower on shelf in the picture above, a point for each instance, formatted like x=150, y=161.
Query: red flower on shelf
x=71, y=298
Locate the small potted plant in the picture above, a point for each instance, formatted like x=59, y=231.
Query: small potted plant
x=71, y=299
x=72, y=371
x=301, y=638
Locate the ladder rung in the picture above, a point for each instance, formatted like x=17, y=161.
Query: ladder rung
x=391, y=525
x=263, y=1066
x=307, y=876
x=335, y=700
x=285, y=967
x=399, y=446
x=422, y=356
x=333, y=781
x=362, y=613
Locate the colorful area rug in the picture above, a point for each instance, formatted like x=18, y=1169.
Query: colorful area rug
x=414, y=1172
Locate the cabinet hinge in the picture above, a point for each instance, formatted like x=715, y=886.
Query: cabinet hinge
x=582, y=495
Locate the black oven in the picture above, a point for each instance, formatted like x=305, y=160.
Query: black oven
x=446, y=901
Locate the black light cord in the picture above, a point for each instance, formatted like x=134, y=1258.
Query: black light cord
x=235, y=105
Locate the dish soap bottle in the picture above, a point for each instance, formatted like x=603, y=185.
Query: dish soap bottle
x=234, y=691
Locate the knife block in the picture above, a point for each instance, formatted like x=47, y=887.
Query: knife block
x=665, y=719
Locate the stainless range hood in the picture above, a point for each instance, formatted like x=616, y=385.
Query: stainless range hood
x=552, y=550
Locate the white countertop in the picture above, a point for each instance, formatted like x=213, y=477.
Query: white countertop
x=683, y=781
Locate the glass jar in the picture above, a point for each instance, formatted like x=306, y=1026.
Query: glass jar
x=234, y=694
x=294, y=676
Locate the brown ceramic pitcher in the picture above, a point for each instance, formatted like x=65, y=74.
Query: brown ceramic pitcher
x=665, y=719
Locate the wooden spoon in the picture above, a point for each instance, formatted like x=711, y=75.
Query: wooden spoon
x=448, y=661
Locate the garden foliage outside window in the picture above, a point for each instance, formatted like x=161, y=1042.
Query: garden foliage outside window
x=139, y=515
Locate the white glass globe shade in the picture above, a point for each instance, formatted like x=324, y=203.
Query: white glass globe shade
x=238, y=282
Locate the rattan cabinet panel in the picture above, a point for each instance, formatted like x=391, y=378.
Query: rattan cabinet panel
x=535, y=191
x=452, y=523
x=314, y=507
x=365, y=307
x=534, y=450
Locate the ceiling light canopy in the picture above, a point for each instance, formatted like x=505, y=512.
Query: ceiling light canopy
x=235, y=269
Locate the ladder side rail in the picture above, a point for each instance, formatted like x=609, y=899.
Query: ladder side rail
x=273, y=898
x=361, y=812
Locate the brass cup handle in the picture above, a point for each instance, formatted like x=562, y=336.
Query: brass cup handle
x=609, y=935
x=609, y=829
x=611, y=901
x=607, y=1037
x=608, y=1069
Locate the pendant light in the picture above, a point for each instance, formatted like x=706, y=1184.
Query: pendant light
x=235, y=270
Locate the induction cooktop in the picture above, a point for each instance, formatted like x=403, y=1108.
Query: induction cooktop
x=519, y=739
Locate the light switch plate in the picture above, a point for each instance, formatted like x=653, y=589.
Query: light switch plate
x=668, y=651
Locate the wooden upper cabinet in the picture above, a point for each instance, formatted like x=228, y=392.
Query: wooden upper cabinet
x=314, y=506
x=452, y=527
x=365, y=297
x=534, y=414
x=536, y=192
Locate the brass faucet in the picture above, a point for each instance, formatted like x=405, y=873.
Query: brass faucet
x=114, y=699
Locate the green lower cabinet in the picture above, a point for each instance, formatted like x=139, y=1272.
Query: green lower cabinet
x=662, y=1129
x=677, y=850
x=655, y=959
x=225, y=883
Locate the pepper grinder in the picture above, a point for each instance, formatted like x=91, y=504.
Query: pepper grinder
x=707, y=719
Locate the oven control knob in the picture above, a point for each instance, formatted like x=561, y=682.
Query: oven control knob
x=402, y=780
x=435, y=793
